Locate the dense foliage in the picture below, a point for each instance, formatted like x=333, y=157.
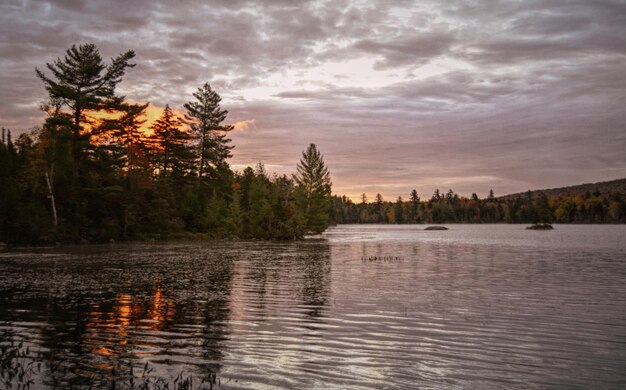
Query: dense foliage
x=92, y=173
x=587, y=207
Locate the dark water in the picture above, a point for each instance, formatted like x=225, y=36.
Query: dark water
x=475, y=307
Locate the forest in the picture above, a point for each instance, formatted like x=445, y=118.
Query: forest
x=90, y=173
x=531, y=207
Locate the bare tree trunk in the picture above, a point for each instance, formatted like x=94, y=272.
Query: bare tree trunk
x=202, y=143
x=52, y=202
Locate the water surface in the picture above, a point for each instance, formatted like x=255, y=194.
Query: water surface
x=368, y=306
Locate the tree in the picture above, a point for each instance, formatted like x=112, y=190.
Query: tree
x=170, y=143
x=413, y=208
x=436, y=196
x=363, y=209
x=399, y=210
x=126, y=130
x=543, y=213
x=206, y=116
x=259, y=215
x=380, y=213
x=82, y=82
x=313, y=189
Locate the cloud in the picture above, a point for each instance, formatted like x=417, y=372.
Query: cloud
x=242, y=126
x=415, y=49
x=397, y=94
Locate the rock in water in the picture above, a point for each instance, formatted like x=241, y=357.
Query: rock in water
x=436, y=228
x=540, y=226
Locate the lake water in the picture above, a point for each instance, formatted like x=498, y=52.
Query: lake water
x=360, y=307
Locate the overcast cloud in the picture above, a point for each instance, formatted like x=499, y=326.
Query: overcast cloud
x=509, y=95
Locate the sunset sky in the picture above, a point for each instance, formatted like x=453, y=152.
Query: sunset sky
x=509, y=95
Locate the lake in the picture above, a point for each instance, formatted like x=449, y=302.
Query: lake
x=359, y=307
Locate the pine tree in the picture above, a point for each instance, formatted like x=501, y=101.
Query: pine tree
x=413, y=208
x=127, y=131
x=170, y=143
x=380, y=212
x=82, y=82
x=399, y=210
x=313, y=189
x=436, y=196
x=205, y=116
x=259, y=215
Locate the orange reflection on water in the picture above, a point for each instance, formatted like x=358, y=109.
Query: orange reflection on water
x=162, y=310
x=124, y=310
x=109, y=332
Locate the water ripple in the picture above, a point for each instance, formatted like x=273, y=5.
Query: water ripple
x=484, y=307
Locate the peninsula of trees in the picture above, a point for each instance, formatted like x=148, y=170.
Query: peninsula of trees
x=92, y=174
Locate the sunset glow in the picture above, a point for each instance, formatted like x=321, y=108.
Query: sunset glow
x=318, y=194
x=397, y=96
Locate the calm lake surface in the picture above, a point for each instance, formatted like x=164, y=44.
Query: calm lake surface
x=361, y=307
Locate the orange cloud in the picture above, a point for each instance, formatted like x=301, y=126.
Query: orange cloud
x=244, y=125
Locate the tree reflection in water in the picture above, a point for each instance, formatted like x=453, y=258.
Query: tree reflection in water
x=100, y=313
x=479, y=307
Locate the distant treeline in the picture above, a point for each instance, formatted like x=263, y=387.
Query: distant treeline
x=588, y=207
x=92, y=174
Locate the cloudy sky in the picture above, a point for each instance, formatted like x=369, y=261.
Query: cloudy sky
x=467, y=95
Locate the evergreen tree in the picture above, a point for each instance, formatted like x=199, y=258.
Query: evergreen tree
x=170, y=144
x=260, y=212
x=399, y=211
x=363, y=209
x=413, y=207
x=436, y=196
x=313, y=189
x=82, y=82
x=127, y=131
x=9, y=190
x=205, y=116
x=380, y=212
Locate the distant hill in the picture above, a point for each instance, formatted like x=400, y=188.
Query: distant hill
x=604, y=187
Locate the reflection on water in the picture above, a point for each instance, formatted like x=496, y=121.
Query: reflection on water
x=109, y=330
x=363, y=307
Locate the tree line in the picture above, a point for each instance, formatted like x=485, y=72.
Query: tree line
x=588, y=207
x=91, y=173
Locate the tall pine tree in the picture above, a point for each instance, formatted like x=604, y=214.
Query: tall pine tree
x=81, y=82
x=206, y=116
x=170, y=144
x=313, y=190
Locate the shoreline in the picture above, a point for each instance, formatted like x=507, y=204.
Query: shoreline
x=204, y=238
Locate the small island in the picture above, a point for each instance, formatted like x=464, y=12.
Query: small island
x=436, y=228
x=540, y=226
